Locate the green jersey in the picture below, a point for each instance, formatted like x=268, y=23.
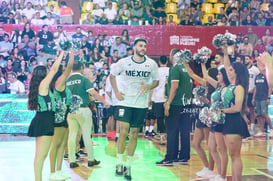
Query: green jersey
x=228, y=96
x=183, y=94
x=79, y=86
x=216, y=95
x=64, y=96
x=46, y=103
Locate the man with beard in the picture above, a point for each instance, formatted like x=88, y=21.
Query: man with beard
x=245, y=48
x=253, y=71
x=138, y=74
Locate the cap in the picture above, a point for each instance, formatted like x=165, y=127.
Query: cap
x=139, y=39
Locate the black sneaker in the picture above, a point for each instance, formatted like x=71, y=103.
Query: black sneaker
x=66, y=156
x=93, y=163
x=73, y=165
x=119, y=170
x=152, y=133
x=146, y=134
x=165, y=163
x=127, y=173
x=180, y=162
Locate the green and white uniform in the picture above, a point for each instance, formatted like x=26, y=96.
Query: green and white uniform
x=43, y=122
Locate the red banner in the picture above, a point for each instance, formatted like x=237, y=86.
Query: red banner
x=161, y=39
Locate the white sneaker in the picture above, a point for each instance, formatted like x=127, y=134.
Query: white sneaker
x=205, y=173
x=271, y=133
x=218, y=178
x=55, y=176
x=63, y=174
x=259, y=134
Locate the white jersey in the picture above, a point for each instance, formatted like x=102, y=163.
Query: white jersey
x=253, y=71
x=159, y=92
x=16, y=87
x=131, y=75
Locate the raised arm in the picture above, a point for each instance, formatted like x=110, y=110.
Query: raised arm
x=226, y=58
x=194, y=76
x=44, y=85
x=208, y=78
x=60, y=83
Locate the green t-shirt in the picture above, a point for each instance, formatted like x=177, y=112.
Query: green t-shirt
x=228, y=96
x=46, y=103
x=183, y=94
x=79, y=86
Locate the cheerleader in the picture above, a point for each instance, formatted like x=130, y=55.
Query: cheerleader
x=41, y=100
x=62, y=96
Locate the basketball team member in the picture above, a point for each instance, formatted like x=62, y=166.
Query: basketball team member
x=138, y=74
x=41, y=100
x=81, y=117
x=177, y=110
x=62, y=96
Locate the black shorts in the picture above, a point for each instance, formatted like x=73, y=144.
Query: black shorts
x=249, y=100
x=234, y=124
x=158, y=109
x=134, y=116
x=111, y=110
x=218, y=128
x=150, y=114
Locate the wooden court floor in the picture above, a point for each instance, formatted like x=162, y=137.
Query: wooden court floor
x=17, y=154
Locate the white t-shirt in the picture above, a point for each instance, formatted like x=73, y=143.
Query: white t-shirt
x=97, y=12
x=16, y=87
x=37, y=21
x=28, y=13
x=49, y=22
x=131, y=75
x=5, y=45
x=100, y=2
x=253, y=71
x=159, y=92
x=110, y=13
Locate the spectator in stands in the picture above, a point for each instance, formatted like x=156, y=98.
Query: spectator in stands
x=42, y=57
x=50, y=48
x=248, y=21
x=86, y=46
x=158, y=3
x=221, y=14
x=24, y=20
x=49, y=20
x=3, y=83
x=244, y=13
x=78, y=35
x=6, y=47
x=223, y=22
x=159, y=12
x=10, y=19
x=38, y=8
x=210, y=22
x=103, y=20
x=97, y=44
x=2, y=62
x=118, y=46
x=110, y=13
x=4, y=10
x=9, y=66
x=101, y=3
x=89, y=20
x=37, y=19
x=15, y=86
x=252, y=37
x=97, y=13
x=107, y=41
x=245, y=48
x=129, y=52
x=81, y=57
x=171, y=21
x=124, y=13
x=91, y=39
x=22, y=72
x=27, y=47
x=254, y=4
x=43, y=37
x=60, y=34
x=53, y=13
x=137, y=11
x=255, y=56
x=234, y=21
x=17, y=11
x=261, y=21
x=28, y=11
x=147, y=16
x=259, y=46
x=65, y=13
x=33, y=63
x=234, y=12
x=114, y=58
x=182, y=4
x=194, y=3
x=2, y=33
x=125, y=39
x=267, y=38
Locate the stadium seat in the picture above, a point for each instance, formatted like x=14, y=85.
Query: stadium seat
x=212, y=1
x=171, y=8
x=87, y=6
x=55, y=4
x=207, y=8
x=175, y=1
x=264, y=7
x=217, y=7
x=175, y=18
x=205, y=18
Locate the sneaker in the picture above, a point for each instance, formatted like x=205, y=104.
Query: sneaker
x=56, y=176
x=93, y=163
x=259, y=134
x=63, y=174
x=205, y=173
x=82, y=153
x=165, y=163
x=66, y=156
x=73, y=165
x=251, y=131
x=147, y=134
x=78, y=158
x=127, y=173
x=119, y=170
x=153, y=133
x=180, y=162
x=218, y=178
x=271, y=133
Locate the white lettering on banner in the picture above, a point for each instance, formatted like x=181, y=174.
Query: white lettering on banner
x=186, y=101
x=183, y=40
